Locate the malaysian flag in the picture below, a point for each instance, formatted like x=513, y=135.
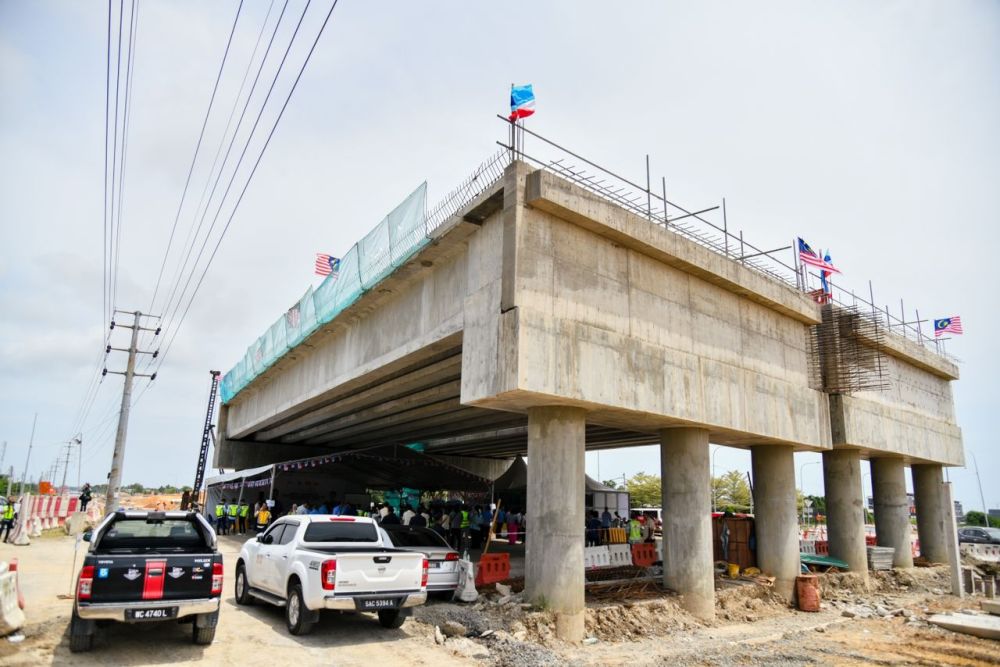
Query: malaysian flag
x=327, y=265
x=808, y=256
x=948, y=325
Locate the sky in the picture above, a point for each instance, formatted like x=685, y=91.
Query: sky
x=869, y=128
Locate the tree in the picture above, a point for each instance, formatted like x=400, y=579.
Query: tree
x=644, y=490
x=731, y=492
x=974, y=518
x=611, y=483
x=135, y=489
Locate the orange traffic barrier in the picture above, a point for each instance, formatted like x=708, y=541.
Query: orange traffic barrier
x=870, y=540
x=493, y=568
x=822, y=548
x=617, y=536
x=643, y=554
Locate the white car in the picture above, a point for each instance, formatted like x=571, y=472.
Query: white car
x=307, y=563
x=442, y=559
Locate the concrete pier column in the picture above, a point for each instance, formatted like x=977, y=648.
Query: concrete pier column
x=932, y=525
x=687, y=518
x=776, y=525
x=892, y=509
x=845, y=509
x=553, y=563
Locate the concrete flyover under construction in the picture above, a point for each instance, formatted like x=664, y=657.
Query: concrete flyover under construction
x=544, y=319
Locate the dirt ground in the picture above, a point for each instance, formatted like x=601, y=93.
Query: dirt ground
x=882, y=626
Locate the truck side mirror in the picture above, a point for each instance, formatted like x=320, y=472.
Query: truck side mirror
x=87, y=535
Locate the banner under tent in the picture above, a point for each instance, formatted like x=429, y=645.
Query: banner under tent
x=345, y=476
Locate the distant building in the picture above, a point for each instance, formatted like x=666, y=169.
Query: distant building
x=995, y=513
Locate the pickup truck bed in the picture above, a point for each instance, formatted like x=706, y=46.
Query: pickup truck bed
x=148, y=566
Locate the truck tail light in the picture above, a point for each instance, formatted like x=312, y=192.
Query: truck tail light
x=86, y=585
x=328, y=574
x=451, y=555
x=216, y=578
x=423, y=575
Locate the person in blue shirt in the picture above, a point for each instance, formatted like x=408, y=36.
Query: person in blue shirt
x=605, y=526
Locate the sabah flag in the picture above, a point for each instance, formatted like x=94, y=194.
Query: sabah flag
x=522, y=102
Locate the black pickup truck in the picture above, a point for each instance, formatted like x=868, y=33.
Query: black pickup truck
x=148, y=566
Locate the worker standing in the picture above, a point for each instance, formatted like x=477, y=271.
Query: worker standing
x=634, y=529
x=220, y=517
x=7, y=524
x=263, y=517
x=244, y=513
x=232, y=512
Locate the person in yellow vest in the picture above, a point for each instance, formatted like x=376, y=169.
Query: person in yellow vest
x=7, y=522
x=463, y=527
x=634, y=529
x=242, y=516
x=263, y=517
x=232, y=514
x=220, y=516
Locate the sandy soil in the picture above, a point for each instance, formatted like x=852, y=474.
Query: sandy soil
x=753, y=628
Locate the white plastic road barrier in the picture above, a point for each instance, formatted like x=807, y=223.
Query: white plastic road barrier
x=620, y=554
x=594, y=557
x=11, y=615
x=38, y=513
x=987, y=552
x=807, y=546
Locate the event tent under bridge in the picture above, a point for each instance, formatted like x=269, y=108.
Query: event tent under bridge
x=347, y=476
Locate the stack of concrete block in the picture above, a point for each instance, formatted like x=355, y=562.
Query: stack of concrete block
x=880, y=558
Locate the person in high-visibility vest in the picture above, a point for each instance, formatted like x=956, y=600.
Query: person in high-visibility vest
x=244, y=512
x=263, y=517
x=463, y=528
x=634, y=529
x=220, y=517
x=232, y=512
x=8, y=519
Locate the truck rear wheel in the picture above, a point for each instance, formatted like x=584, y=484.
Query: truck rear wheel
x=81, y=634
x=203, y=631
x=297, y=617
x=391, y=618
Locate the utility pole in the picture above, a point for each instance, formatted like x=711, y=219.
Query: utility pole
x=118, y=458
x=69, y=448
x=31, y=444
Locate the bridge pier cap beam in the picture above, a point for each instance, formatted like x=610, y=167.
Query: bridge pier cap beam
x=553, y=567
x=776, y=522
x=892, y=508
x=687, y=518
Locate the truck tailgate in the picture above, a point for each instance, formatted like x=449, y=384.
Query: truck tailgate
x=378, y=572
x=133, y=578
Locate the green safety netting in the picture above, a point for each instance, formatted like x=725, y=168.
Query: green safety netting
x=393, y=241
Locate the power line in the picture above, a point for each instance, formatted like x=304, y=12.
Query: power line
x=194, y=158
x=197, y=229
x=126, y=122
x=114, y=150
x=104, y=239
x=256, y=163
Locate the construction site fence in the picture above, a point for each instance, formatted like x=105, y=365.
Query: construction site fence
x=394, y=241
x=37, y=513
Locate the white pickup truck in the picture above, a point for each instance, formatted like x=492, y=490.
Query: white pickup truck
x=307, y=563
